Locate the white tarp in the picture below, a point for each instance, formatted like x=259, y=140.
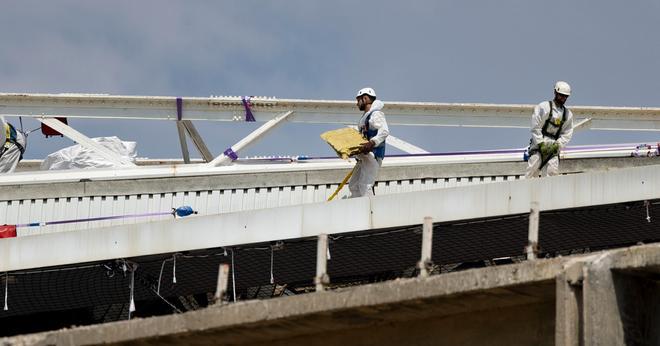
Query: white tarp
x=78, y=156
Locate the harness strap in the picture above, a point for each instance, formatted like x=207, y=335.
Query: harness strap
x=379, y=151
x=12, y=138
x=19, y=146
x=544, y=130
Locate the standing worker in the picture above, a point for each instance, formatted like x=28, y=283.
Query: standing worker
x=552, y=129
x=373, y=127
x=13, y=146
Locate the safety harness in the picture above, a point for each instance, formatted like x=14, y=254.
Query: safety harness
x=379, y=151
x=545, y=133
x=12, y=138
x=548, y=122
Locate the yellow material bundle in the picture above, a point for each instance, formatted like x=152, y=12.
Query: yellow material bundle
x=345, y=141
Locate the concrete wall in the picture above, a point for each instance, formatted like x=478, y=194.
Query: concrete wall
x=518, y=325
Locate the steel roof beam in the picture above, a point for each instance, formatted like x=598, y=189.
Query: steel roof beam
x=230, y=108
x=197, y=140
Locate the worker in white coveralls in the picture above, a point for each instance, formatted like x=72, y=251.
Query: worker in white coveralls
x=552, y=129
x=13, y=146
x=373, y=127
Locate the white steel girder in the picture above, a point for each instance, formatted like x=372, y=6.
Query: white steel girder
x=223, y=159
x=401, y=144
x=231, y=108
x=397, y=210
x=405, y=146
x=197, y=140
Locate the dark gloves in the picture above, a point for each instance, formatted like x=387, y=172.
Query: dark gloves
x=366, y=147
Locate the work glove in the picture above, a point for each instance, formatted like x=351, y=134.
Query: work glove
x=366, y=147
x=548, y=150
x=543, y=149
x=554, y=148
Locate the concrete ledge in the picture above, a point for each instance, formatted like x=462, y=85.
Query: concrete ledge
x=479, y=289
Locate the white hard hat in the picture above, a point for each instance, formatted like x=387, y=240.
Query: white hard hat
x=366, y=91
x=563, y=88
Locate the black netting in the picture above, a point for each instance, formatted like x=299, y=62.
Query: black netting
x=384, y=254
x=480, y=240
x=99, y=292
x=599, y=227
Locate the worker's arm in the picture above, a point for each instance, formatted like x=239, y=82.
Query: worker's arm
x=378, y=122
x=537, y=125
x=566, y=130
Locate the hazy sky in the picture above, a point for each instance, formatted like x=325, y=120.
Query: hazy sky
x=439, y=51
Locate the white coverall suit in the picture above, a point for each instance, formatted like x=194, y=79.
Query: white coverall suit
x=539, y=118
x=368, y=165
x=10, y=153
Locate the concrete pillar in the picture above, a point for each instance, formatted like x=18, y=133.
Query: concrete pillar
x=533, y=232
x=599, y=301
x=322, y=278
x=569, y=308
x=602, y=318
x=424, y=264
x=223, y=282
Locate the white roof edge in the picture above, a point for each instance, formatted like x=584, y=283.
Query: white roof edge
x=201, y=169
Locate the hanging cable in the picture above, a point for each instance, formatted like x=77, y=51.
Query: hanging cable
x=272, y=250
x=132, y=268
x=131, y=306
x=6, y=289
x=167, y=302
x=174, y=269
x=648, y=215
x=160, y=276
x=233, y=277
